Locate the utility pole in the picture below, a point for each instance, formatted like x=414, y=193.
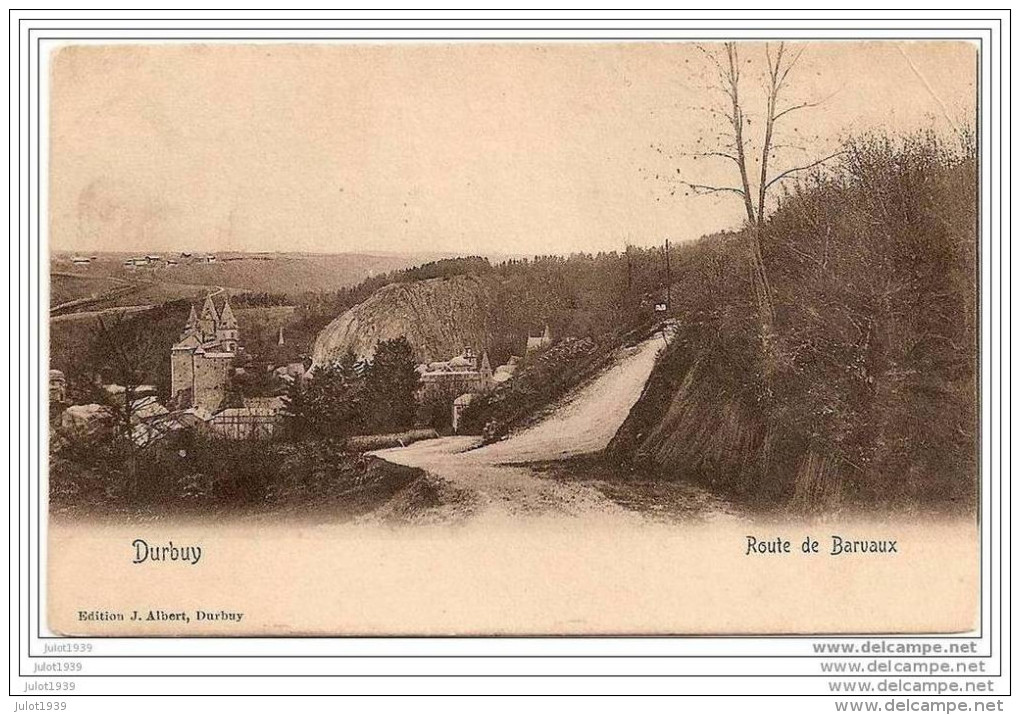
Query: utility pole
x=630, y=271
x=669, y=283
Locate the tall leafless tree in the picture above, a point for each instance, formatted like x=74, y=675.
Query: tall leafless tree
x=734, y=146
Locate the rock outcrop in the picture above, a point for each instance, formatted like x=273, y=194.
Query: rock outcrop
x=439, y=317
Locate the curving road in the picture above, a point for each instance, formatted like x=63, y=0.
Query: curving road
x=491, y=477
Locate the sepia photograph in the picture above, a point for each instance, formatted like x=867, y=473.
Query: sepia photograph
x=513, y=338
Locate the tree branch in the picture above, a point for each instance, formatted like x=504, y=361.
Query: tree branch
x=797, y=169
x=708, y=154
x=805, y=105
x=790, y=64
x=706, y=189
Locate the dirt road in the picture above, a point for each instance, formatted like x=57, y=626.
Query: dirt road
x=491, y=481
x=115, y=310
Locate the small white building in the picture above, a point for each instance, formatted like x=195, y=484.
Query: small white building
x=258, y=419
x=541, y=342
x=459, y=406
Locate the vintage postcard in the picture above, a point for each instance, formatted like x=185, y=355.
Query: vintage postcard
x=513, y=338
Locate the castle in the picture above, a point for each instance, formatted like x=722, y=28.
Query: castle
x=202, y=360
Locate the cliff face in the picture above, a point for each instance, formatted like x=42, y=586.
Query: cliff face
x=440, y=317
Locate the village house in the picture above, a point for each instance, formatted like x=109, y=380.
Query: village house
x=202, y=360
x=541, y=342
x=257, y=419
x=464, y=373
x=505, y=372
x=460, y=379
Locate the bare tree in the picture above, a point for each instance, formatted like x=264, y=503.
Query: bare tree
x=735, y=147
x=128, y=356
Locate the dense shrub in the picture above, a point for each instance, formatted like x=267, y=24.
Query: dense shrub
x=541, y=379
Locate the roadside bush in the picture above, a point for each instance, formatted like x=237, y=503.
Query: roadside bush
x=540, y=380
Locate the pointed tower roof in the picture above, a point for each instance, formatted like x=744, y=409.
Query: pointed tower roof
x=189, y=341
x=486, y=366
x=227, y=319
x=190, y=327
x=209, y=310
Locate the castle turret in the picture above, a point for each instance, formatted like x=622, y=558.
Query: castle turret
x=226, y=328
x=207, y=321
x=192, y=325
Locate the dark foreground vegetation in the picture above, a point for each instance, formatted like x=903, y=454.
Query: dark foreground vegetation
x=192, y=474
x=871, y=393
x=314, y=458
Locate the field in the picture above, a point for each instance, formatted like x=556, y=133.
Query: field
x=287, y=273
x=66, y=286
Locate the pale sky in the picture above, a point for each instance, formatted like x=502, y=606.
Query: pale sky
x=487, y=148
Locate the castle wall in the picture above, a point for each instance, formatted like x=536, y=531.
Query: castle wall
x=212, y=375
x=181, y=371
x=453, y=383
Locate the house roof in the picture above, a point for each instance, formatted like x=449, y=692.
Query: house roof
x=264, y=403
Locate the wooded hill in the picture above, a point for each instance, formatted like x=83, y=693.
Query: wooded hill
x=873, y=392
x=445, y=306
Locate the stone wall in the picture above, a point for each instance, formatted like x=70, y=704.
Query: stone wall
x=181, y=371
x=212, y=375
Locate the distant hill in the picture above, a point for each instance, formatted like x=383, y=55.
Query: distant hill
x=290, y=273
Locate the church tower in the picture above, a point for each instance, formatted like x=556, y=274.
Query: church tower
x=485, y=372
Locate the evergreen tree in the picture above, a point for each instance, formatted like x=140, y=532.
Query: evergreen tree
x=391, y=384
x=329, y=405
